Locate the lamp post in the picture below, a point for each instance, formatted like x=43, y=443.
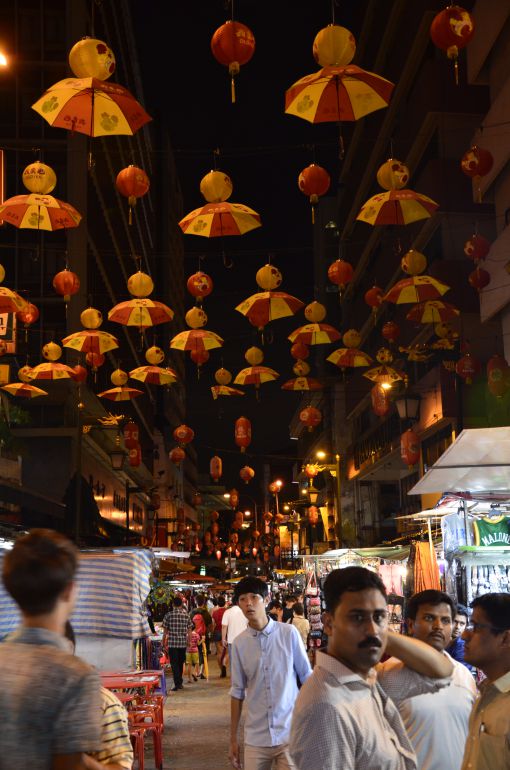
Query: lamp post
x=248, y=497
x=311, y=470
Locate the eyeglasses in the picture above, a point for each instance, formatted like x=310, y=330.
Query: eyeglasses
x=379, y=617
x=475, y=627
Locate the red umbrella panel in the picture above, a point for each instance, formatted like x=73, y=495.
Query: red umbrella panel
x=39, y=212
x=418, y=288
x=140, y=312
x=266, y=306
x=302, y=383
x=220, y=219
x=120, y=394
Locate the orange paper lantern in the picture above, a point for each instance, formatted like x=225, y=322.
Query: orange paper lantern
x=199, y=285
x=410, y=447
x=247, y=474
x=233, y=44
x=215, y=468
x=242, y=433
x=177, y=455
x=314, y=181
x=340, y=273
x=66, y=283
x=183, y=435
x=310, y=416
x=133, y=183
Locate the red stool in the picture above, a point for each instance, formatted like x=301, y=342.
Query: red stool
x=146, y=719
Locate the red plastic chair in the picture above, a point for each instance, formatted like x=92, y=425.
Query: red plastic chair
x=146, y=720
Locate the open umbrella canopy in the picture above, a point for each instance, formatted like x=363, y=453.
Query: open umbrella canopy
x=51, y=371
x=255, y=375
x=337, y=93
x=384, y=375
x=267, y=306
x=91, y=341
x=121, y=393
x=396, y=207
x=418, y=288
x=154, y=375
x=344, y=357
x=315, y=334
x=196, y=339
x=302, y=383
x=91, y=106
x=433, y=312
x=39, y=212
x=23, y=390
x=11, y=301
x=140, y=312
x=225, y=390
x=218, y=219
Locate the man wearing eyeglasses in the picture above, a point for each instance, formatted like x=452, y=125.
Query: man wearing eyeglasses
x=343, y=719
x=487, y=638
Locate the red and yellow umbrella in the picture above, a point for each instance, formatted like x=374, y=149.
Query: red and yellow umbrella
x=267, y=306
x=218, y=219
x=384, y=375
x=22, y=390
x=432, y=312
x=302, y=383
x=39, y=212
x=51, y=371
x=344, y=357
x=11, y=302
x=91, y=107
x=91, y=341
x=315, y=334
x=154, y=375
x=225, y=390
x=418, y=288
x=140, y=312
x=121, y=393
x=337, y=93
x=396, y=207
x=255, y=375
x=196, y=340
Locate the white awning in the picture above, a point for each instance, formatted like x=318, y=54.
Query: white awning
x=477, y=461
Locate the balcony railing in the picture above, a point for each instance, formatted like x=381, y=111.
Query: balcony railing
x=377, y=442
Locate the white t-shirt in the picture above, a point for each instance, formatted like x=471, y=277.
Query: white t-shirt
x=235, y=621
x=436, y=722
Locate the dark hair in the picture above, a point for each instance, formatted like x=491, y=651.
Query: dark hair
x=497, y=609
x=299, y=609
x=430, y=596
x=463, y=610
x=177, y=601
x=221, y=601
x=38, y=569
x=276, y=605
x=200, y=600
x=350, y=579
x=251, y=585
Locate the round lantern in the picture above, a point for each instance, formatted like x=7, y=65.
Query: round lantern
x=222, y=376
x=301, y=368
x=254, y=356
x=467, y=367
x=24, y=373
x=299, y=350
x=258, y=316
x=51, y=351
x=91, y=318
x=135, y=456
x=497, y=375
x=390, y=331
x=2, y=273
x=183, y=435
x=413, y=262
x=334, y=46
x=133, y=183
x=199, y=285
x=314, y=181
x=479, y=279
x=380, y=400
x=28, y=317
x=313, y=515
x=154, y=355
x=215, y=468
x=216, y=187
x=393, y=175
x=94, y=360
x=233, y=44
x=39, y=178
x=247, y=474
x=384, y=356
x=66, y=283
x=91, y=58
x=196, y=318
x=268, y=277
x=214, y=516
x=199, y=357
x=131, y=434
x=119, y=377
x=476, y=163
x=373, y=298
x=451, y=30
x=310, y=416
x=234, y=498
x=80, y=373
x=443, y=330
x=177, y=455
x=340, y=273
x=410, y=447
x=242, y=433
x=311, y=470
x=140, y=284
x=477, y=247
x=352, y=338
x=315, y=312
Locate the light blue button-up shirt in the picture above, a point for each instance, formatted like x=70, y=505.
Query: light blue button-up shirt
x=264, y=665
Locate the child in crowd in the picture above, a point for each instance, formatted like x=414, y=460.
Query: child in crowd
x=193, y=640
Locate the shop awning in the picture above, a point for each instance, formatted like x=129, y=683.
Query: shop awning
x=475, y=462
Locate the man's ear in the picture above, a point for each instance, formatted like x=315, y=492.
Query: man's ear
x=410, y=626
x=505, y=639
x=327, y=622
x=69, y=592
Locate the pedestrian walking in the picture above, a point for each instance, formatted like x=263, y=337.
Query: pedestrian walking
x=175, y=635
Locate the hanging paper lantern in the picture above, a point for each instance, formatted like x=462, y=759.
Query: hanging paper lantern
x=183, y=435
x=334, y=46
x=268, y=277
x=451, y=30
x=247, y=474
x=311, y=470
x=254, y=356
x=410, y=447
x=390, y=331
x=216, y=187
x=80, y=373
x=340, y=273
x=24, y=373
x=310, y=416
x=373, y=298
x=199, y=285
x=384, y=356
x=479, y=279
x=234, y=498
x=66, y=283
x=299, y=350
x=39, y=178
x=215, y=468
x=315, y=312
x=196, y=317
x=135, y=456
x=476, y=163
x=51, y=351
x=393, y=175
x=119, y=377
x=413, y=262
x=154, y=355
x=214, y=516
x=380, y=400
x=177, y=455
x=91, y=58
x=199, y=357
x=352, y=339
x=443, y=330
x=477, y=247
x=91, y=318
x=131, y=434
x=242, y=433
x=140, y=284
x=313, y=515
x=94, y=360
x=222, y=376
x=233, y=44
x=133, y=183
x=301, y=368
x=467, y=367
x=2, y=273
x=28, y=316
x=314, y=181
x=497, y=375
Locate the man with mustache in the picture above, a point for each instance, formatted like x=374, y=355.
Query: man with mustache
x=343, y=719
x=436, y=722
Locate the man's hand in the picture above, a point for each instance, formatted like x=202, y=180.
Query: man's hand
x=234, y=755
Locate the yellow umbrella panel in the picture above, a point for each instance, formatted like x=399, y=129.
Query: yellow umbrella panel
x=11, y=301
x=22, y=390
x=396, y=207
x=91, y=341
x=344, y=357
x=255, y=375
x=218, y=219
x=267, y=306
x=51, y=371
x=315, y=334
x=432, y=312
x=154, y=375
x=418, y=288
x=39, y=212
x=384, y=375
x=196, y=339
x=140, y=312
x=120, y=394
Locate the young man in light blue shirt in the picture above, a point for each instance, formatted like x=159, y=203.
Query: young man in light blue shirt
x=268, y=660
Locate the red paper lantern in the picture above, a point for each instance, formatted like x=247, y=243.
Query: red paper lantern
x=299, y=351
x=132, y=182
x=94, y=360
x=215, y=468
x=66, y=283
x=381, y=402
x=199, y=357
x=234, y=497
x=391, y=331
x=242, y=433
x=311, y=470
x=131, y=434
x=177, y=455
x=497, y=375
x=135, y=456
x=340, y=273
x=29, y=315
x=477, y=247
x=313, y=515
x=479, y=279
x=314, y=181
x=80, y=373
x=215, y=515
x=233, y=44
x=451, y=30
x=183, y=434
x=467, y=367
x=247, y=474
x=310, y=416
x=476, y=162
x=410, y=447
x=199, y=285
x=373, y=298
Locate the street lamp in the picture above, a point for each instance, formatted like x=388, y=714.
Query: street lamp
x=408, y=407
x=311, y=470
x=117, y=455
x=313, y=494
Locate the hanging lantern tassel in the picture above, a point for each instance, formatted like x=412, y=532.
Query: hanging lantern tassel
x=477, y=179
x=453, y=53
x=233, y=68
x=131, y=204
x=341, y=148
x=314, y=199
